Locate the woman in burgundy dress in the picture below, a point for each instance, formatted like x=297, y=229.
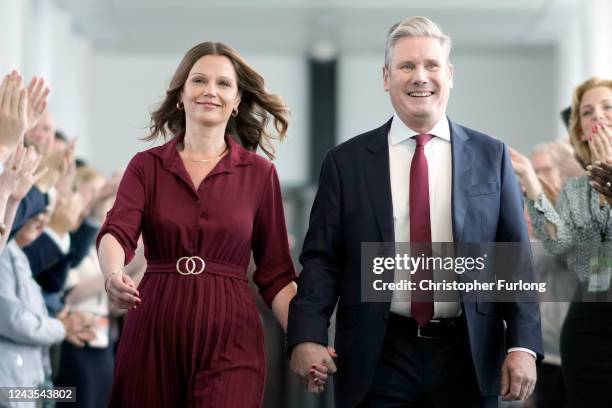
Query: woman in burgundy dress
x=202, y=201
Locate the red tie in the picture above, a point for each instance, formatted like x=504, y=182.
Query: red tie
x=420, y=229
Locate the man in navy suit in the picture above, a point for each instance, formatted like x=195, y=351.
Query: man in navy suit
x=418, y=178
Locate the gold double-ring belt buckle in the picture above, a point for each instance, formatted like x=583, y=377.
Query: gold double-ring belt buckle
x=191, y=264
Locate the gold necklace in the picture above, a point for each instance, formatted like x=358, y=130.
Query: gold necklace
x=204, y=160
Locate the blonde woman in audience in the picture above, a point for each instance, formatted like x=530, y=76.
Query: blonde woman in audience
x=579, y=228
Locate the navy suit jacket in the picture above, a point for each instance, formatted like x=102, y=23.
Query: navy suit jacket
x=353, y=205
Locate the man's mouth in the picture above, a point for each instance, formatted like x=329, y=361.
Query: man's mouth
x=420, y=94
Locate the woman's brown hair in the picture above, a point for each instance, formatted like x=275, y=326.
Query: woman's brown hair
x=256, y=105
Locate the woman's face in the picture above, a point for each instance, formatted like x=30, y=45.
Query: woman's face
x=211, y=91
x=595, y=109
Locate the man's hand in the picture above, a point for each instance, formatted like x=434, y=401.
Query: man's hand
x=518, y=376
x=312, y=362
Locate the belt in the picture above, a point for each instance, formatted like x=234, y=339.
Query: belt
x=195, y=265
x=434, y=329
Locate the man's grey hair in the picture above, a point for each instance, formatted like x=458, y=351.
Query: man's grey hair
x=414, y=27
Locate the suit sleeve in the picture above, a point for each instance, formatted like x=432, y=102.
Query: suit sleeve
x=321, y=259
x=80, y=241
x=522, y=317
x=33, y=203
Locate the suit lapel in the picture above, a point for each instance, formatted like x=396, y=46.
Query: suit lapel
x=462, y=175
x=378, y=180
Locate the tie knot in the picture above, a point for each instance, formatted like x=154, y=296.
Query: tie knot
x=421, y=140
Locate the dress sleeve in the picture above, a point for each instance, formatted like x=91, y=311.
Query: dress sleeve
x=542, y=211
x=270, y=242
x=124, y=220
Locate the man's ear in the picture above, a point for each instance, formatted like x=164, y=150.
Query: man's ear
x=385, y=73
x=451, y=73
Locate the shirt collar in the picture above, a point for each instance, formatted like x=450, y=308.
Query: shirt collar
x=399, y=132
x=236, y=156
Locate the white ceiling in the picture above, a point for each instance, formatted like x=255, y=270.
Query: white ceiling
x=273, y=26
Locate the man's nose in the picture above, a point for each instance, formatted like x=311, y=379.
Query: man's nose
x=420, y=76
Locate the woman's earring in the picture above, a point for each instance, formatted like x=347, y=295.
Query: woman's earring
x=179, y=105
x=235, y=112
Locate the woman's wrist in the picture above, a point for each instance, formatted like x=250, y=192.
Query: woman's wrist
x=110, y=275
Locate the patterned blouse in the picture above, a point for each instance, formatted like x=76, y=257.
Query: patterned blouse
x=581, y=222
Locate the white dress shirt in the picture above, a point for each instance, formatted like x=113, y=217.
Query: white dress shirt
x=439, y=164
x=440, y=172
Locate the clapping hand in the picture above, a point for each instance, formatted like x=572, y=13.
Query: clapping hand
x=20, y=172
x=526, y=174
x=20, y=109
x=36, y=102
x=600, y=174
x=600, y=143
x=13, y=110
x=78, y=327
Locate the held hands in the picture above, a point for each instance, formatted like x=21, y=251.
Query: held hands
x=313, y=363
x=518, y=376
x=122, y=291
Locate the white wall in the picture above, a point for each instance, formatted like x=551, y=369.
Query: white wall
x=126, y=87
x=508, y=93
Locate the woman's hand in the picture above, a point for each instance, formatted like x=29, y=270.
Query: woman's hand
x=319, y=373
x=122, y=291
x=600, y=144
